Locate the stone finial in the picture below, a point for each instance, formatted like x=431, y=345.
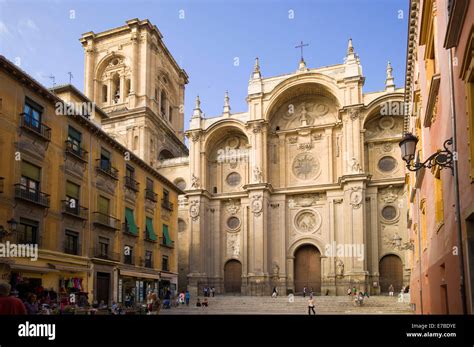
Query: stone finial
x=256, y=70
x=197, y=113
x=226, y=104
x=350, y=47
x=389, y=81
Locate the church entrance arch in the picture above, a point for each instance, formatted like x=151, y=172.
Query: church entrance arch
x=307, y=269
x=391, y=272
x=232, y=276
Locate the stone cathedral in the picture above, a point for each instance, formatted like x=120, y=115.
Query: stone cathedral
x=305, y=188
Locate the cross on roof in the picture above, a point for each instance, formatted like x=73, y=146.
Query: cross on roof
x=301, y=45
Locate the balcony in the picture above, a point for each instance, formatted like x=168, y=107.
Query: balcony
x=77, y=211
x=35, y=127
x=99, y=253
x=76, y=151
x=166, y=204
x=129, y=259
x=1, y=184
x=107, y=169
x=71, y=250
x=131, y=183
x=151, y=195
x=106, y=221
x=23, y=192
x=126, y=230
x=164, y=244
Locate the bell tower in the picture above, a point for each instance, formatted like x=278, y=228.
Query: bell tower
x=133, y=77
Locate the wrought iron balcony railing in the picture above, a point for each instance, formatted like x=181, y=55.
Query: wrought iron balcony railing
x=163, y=243
x=131, y=183
x=99, y=253
x=32, y=195
x=76, y=151
x=106, y=220
x=126, y=230
x=106, y=168
x=35, y=127
x=150, y=195
x=74, y=209
x=166, y=204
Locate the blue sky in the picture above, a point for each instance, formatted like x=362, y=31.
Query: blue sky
x=212, y=34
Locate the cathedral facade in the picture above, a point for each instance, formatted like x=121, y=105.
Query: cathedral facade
x=303, y=189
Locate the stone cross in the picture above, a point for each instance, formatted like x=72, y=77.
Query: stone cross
x=301, y=45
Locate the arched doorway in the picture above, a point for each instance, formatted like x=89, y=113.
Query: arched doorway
x=232, y=276
x=391, y=272
x=307, y=269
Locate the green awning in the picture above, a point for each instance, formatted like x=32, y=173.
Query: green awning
x=166, y=236
x=132, y=227
x=149, y=229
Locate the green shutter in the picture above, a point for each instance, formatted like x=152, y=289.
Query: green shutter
x=31, y=171
x=73, y=133
x=103, y=205
x=132, y=227
x=72, y=190
x=149, y=229
x=166, y=235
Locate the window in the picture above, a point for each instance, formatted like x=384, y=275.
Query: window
x=170, y=114
x=233, y=223
x=104, y=93
x=116, y=84
x=127, y=86
x=180, y=183
x=103, y=205
x=32, y=114
x=423, y=230
x=387, y=164
x=149, y=184
x=103, y=247
x=164, y=263
x=389, y=212
x=105, y=160
x=162, y=103
x=233, y=179
x=149, y=259
x=128, y=255
x=166, y=196
x=166, y=236
x=74, y=140
x=150, y=232
x=72, y=196
x=129, y=172
x=27, y=231
x=71, y=242
x=30, y=177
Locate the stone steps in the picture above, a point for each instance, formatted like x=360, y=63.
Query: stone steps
x=226, y=304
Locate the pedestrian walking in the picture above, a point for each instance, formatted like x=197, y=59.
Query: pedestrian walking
x=311, y=305
x=9, y=304
x=275, y=292
x=31, y=305
x=213, y=290
x=187, y=296
x=390, y=290
x=304, y=292
x=155, y=304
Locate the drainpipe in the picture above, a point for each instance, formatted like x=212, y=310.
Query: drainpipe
x=456, y=186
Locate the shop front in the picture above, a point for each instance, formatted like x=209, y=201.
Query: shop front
x=133, y=287
x=168, y=283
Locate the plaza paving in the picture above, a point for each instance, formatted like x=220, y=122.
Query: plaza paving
x=229, y=304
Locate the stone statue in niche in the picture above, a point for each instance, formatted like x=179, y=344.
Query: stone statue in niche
x=339, y=268
x=194, y=182
x=257, y=175
x=275, y=268
x=355, y=166
x=304, y=115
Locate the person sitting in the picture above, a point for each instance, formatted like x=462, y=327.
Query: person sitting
x=205, y=303
x=349, y=291
x=198, y=303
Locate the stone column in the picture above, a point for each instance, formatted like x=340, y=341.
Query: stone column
x=89, y=71
x=282, y=158
x=135, y=72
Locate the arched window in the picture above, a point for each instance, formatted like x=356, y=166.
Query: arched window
x=170, y=114
x=116, y=88
x=135, y=142
x=127, y=86
x=165, y=154
x=162, y=103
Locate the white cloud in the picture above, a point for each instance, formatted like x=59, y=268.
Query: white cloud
x=26, y=25
x=4, y=32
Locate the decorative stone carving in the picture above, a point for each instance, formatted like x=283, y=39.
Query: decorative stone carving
x=317, y=136
x=305, y=146
x=257, y=129
x=194, y=209
x=233, y=244
x=389, y=195
x=257, y=175
x=256, y=204
x=355, y=166
x=307, y=221
x=292, y=139
x=387, y=147
x=232, y=207
x=291, y=203
x=195, y=137
x=275, y=268
x=105, y=184
x=305, y=166
x=354, y=114
x=356, y=197
x=194, y=182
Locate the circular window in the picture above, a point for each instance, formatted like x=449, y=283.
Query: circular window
x=233, y=179
x=180, y=183
x=389, y=212
x=387, y=164
x=233, y=223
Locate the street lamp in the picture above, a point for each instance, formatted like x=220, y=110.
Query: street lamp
x=13, y=226
x=442, y=158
